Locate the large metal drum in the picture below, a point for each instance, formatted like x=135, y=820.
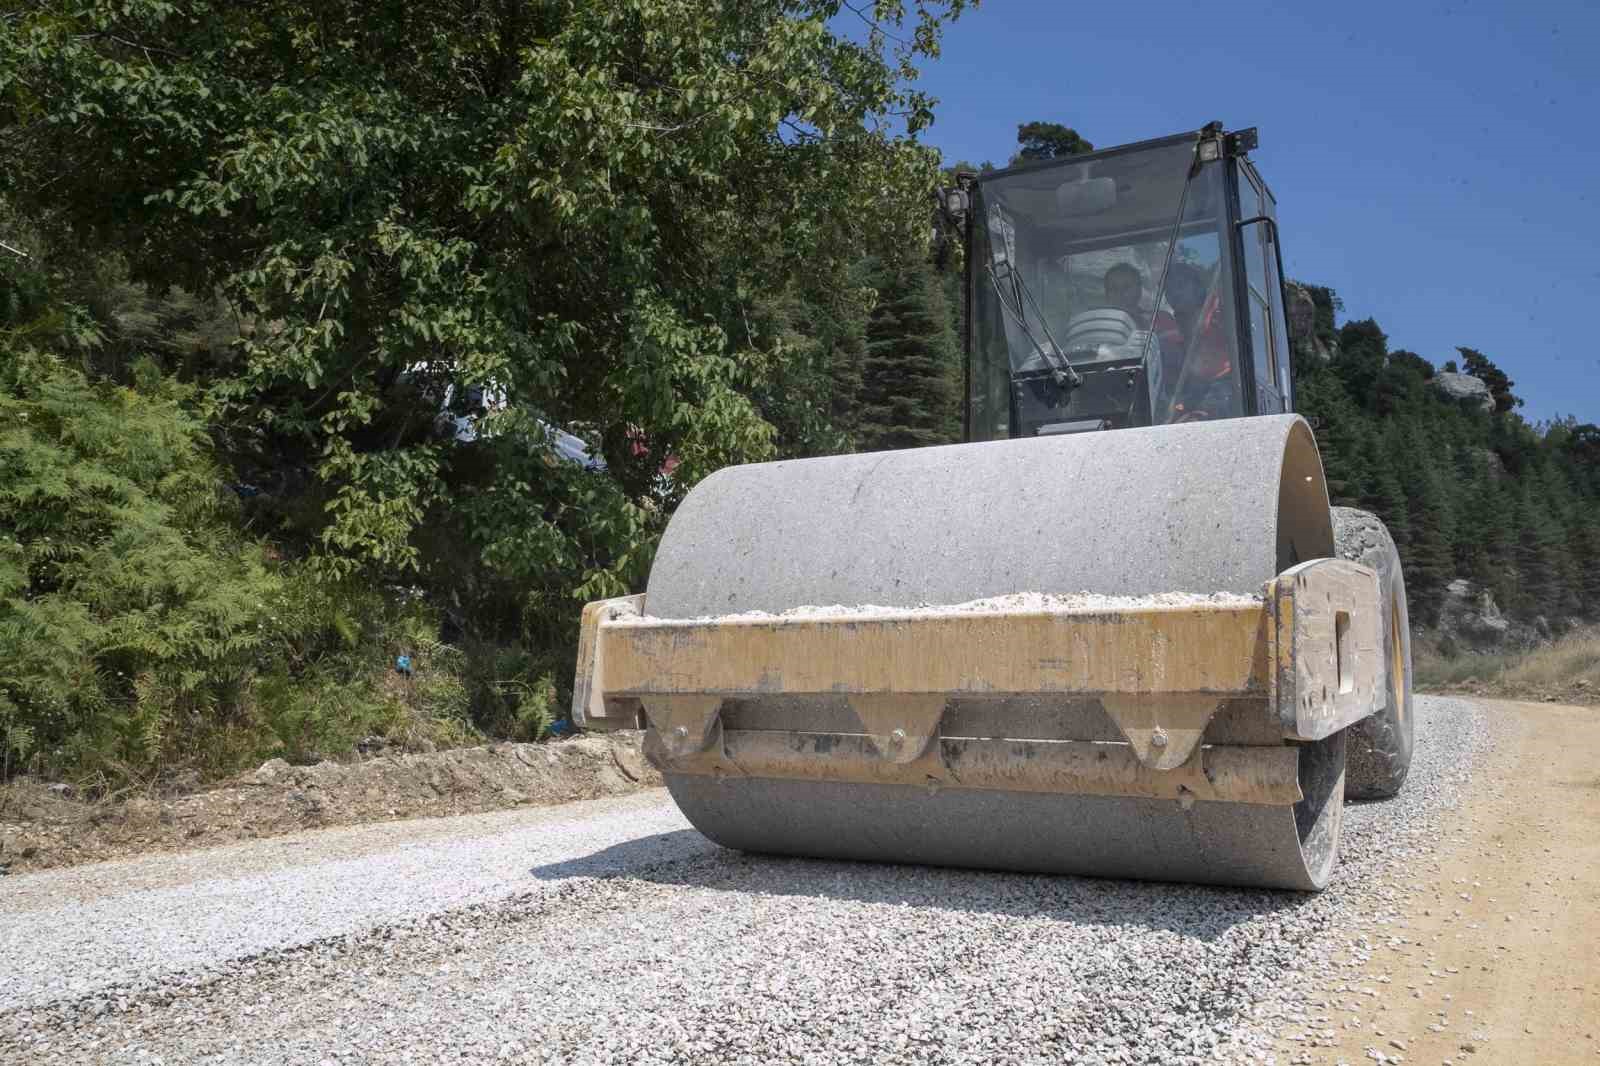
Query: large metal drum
x=1197, y=508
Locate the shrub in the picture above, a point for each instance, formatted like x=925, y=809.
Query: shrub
x=512, y=689
x=131, y=608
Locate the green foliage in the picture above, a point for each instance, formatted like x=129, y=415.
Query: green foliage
x=911, y=369
x=131, y=607
x=141, y=629
x=573, y=200
x=313, y=715
x=1465, y=494
x=1048, y=140
x=512, y=690
x=814, y=337
x=1478, y=365
x=647, y=222
x=1363, y=357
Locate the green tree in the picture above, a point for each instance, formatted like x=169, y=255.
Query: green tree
x=1344, y=434
x=1430, y=557
x=1327, y=304
x=1385, y=494
x=909, y=395
x=1540, y=554
x=1584, y=546
x=1363, y=355
x=1400, y=383
x=580, y=203
x=814, y=338
x=1048, y=140
x=1478, y=365
x=1484, y=533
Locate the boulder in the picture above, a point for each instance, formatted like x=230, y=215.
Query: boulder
x=271, y=771
x=1470, y=617
x=1464, y=387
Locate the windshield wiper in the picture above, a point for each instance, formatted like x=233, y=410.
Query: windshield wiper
x=1062, y=372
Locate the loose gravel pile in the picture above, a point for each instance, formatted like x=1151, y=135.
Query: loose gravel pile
x=617, y=935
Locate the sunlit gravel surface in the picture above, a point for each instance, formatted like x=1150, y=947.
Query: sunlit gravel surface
x=609, y=932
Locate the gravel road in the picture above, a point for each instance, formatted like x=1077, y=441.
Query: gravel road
x=610, y=932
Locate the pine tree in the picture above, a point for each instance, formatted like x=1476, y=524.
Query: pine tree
x=1479, y=366
x=1363, y=350
x=1584, y=543
x=1483, y=538
x=1430, y=561
x=910, y=367
x=1538, y=576
x=1560, y=503
x=1384, y=494
x=1342, y=433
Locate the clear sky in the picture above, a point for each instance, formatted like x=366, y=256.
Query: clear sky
x=1435, y=162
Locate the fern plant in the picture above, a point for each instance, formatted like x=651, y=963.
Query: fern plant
x=131, y=608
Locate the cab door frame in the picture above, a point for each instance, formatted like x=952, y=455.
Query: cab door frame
x=1277, y=393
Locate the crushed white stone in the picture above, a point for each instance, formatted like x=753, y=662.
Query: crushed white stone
x=620, y=936
x=1016, y=603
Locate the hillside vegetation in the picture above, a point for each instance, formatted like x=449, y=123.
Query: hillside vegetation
x=251, y=253
x=1565, y=670
x=1469, y=493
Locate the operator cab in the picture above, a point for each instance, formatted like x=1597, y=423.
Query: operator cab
x=1135, y=286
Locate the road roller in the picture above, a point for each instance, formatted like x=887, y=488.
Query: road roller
x=1116, y=632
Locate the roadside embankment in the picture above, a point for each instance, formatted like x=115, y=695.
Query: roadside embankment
x=47, y=825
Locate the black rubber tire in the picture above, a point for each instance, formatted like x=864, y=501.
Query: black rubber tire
x=1379, y=746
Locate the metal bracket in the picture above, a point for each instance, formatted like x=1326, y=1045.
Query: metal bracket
x=1163, y=728
x=682, y=723
x=900, y=725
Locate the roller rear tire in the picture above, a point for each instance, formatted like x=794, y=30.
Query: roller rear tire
x=1379, y=746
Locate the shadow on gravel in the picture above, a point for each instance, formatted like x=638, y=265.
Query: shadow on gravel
x=686, y=859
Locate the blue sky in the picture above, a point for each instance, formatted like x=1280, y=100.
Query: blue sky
x=1437, y=163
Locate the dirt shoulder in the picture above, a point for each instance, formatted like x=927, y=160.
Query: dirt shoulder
x=1497, y=959
x=1578, y=693
x=44, y=826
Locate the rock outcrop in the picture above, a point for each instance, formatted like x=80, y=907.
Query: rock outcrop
x=1470, y=617
x=1464, y=387
x=1302, y=313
